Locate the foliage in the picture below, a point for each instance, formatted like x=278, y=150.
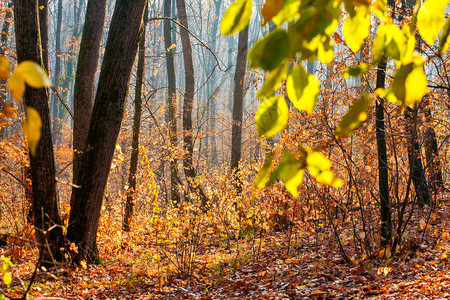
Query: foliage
x=307, y=38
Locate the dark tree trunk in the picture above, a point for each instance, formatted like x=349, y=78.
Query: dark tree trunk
x=107, y=114
x=383, y=175
x=238, y=106
x=55, y=100
x=84, y=89
x=188, y=104
x=432, y=153
x=172, y=104
x=415, y=163
x=42, y=167
x=131, y=191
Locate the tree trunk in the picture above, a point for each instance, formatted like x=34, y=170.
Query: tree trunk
x=432, y=153
x=107, y=114
x=415, y=163
x=131, y=191
x=3, y=41
x=171, y=101
x=84, y=89
x=383, y=175
x=188, y=104
x=238, y=107
x=42, y=167
x=57, y=76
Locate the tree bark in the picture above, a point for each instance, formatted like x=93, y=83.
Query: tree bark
x=188, y=104
x=42, y=168
x=131, y=191
x=238, y=107
x=57, y=76
x=3, y=41
x=84, y=89
x=172, y=104
x=107, y=114
x=383, y=174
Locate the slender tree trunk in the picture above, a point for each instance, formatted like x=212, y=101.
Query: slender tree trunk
x=42, y=167
x=188, y=104
x=172, y=104
x=238, y=106
x=107, y=114
x=418, y=173
x=383, y=175
x=3, y=41
x=84, y=89
x=432, y=153
x=55, y=100
x=131, y=191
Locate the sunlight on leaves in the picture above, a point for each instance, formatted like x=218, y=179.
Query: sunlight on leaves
x=271, y=116
x=237, y=17
x=7, y=279
x=356, y=28
x=444, y=40
x=264, y=173
x=410, y=84
x=431, y=19
x=16, y=85
x=32, y=128
x=287, y=13
x=319, y=167
x=353, y=118
x=302, y=89
x=272, y=81
x=356, y=71
x=33, y=74
x=291, y=172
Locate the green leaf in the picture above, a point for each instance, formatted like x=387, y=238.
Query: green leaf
x=33, y=74
x=356, y=28
x=410, y=84
x=290, y=171
x=356, y=71
x=302, y=89
x=431, y=19
x=444, y=40
x=271, y=116
x=270, y=51
x=353, y=118
x=273, y=81
x=237, y=17
x=287, y=13
x=7, y=279
x=265, y=172
x=270, y=8
x=32, y=128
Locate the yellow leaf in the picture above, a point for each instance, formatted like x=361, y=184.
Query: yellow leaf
x=16, y=85
x=4, y=68
x=270, y=9
x=356, y=28
x=7, y=279
x=431, y=19
x=33, y=74
x=83, y=264
x=32, y=128
x=236, y=17
x=302, y=89
x=410, y=84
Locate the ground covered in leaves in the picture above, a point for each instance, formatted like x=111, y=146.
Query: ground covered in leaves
x=302, y=263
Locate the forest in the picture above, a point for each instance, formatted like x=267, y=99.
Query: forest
x=218, y=149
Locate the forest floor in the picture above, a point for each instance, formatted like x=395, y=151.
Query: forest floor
x=313, y=268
